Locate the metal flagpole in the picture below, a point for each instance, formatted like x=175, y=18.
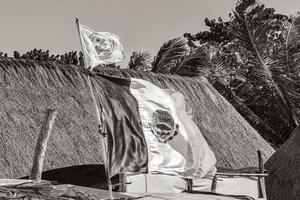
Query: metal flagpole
x=99, y=119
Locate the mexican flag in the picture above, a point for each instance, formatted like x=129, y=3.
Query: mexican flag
x=150, y=130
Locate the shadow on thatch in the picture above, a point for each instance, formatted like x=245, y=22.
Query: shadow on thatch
x=28, y=88
x=283, y=181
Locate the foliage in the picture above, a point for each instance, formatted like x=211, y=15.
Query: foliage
x=268, y=80
x=3, y=54
x=286, y=63
x=40, y=55
x=140, y=61
x=250, y=60
x=218, y=32
x=169, y=55
x=73, y=57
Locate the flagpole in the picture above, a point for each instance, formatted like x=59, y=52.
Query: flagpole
x=99, y=119
x=78, y=29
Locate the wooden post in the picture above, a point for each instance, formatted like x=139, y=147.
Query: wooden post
x=146, y=183
x=41, y=145
x=261, y=180
x=122, y=182
x=189, y=185
x=214, y=183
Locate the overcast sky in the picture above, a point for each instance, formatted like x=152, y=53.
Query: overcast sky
x=141, y=24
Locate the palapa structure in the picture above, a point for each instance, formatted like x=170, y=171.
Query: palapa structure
x=28, y=88
x=283, y=167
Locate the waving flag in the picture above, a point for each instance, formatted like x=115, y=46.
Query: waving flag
x=149, y=130
x=100, y=47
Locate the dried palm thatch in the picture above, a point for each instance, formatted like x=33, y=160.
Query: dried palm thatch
x=27, y=88
x=283, y=167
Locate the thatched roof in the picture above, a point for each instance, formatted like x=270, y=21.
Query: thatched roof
x=283, y=167
x=28, y=88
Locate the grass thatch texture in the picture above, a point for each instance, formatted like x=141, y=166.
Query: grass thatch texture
x=283, y=167
x=28, y=88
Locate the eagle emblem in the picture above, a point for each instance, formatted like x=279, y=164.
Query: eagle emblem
x=163, y=126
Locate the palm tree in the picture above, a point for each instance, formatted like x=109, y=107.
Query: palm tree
x=275, y=79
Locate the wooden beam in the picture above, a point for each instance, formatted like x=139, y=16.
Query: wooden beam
x=261, y=180
x=242, y=174
x=41, y=145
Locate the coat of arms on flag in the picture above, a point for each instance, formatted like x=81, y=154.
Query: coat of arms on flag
x=100, y=47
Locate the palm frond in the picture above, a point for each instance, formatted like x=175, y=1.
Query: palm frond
x=194, y=64
x=294, y=31
x=287, y=66
x=204, y=61
x=169, y=55
x=293, y=48
x=255, y=121
x=252, y=35
x=140, y=61
x=287, y=57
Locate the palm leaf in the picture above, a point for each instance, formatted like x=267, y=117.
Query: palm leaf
x=292, y=48
x=204, y=61
x=294, y=31
x=194, y=64
x=254, y=120
x=140, y=61
x=287, y=64
x=210, y=64
x=169, y=55
x=251, y=33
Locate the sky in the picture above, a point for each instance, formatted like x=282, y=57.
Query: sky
x=141, y=24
